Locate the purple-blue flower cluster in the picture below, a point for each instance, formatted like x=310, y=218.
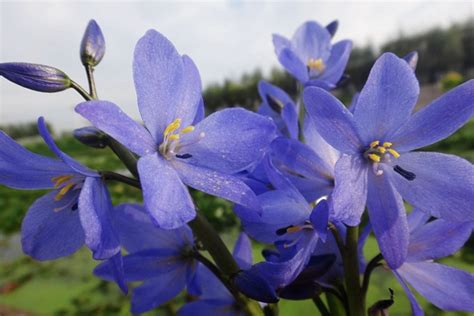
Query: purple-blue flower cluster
x=300, y=172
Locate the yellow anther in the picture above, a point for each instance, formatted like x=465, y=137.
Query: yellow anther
x=60, y=180
x=187, y=129
x=173, y=137
x=382, y=150
x=393, y=152
x=316, y=64
x=374, y=157
x=374, y=144
x=293, y=229
x=387, y=144
x=172, y=127
x=65, y=189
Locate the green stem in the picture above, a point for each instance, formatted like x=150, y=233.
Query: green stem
x=350, y=259
x=110, y=175
x=90, y=80
x=374, y=263
x=129, y=159
x=335, y=306
x=320, y=305
x=81, y=91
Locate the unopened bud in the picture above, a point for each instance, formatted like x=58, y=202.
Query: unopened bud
x=412, y=59
x=36, y=77
x=380, y=308
x=92, y=45
x=91, y=136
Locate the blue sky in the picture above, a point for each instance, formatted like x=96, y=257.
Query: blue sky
x=224, y=38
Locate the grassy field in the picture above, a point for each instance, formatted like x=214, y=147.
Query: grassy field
x=67, y=287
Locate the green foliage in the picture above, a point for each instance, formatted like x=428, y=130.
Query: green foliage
x=451, y=80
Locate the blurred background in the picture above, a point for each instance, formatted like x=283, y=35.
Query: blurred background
x=230, y=41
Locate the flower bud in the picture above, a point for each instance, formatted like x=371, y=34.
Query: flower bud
x=91, y=136
x=36, y=77
x=380, y=308
x=412, y=59
x=92, y=45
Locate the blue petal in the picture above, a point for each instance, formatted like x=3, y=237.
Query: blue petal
x=388, y=218
x=112, y=120
x=442, y=187
x=210, y=307
x=290, y=117
x=314, y=140
x=73, y=164
x=137, y=231
x=115, y=263
x=437, y=239
x=337, y=62
x=438, y=120
x=211, y=286
x=47, y=234
x=411, y=59
x=293, y=64
x=166, y=197
x=280, y=209
x=415, y=307
x=168, y=86
x=332, y=120
x=158, y=291
x=446, y=287
x=417, y=218
x=332, y=27
x=319, y=219
x=253, y=284
x=200, y=112
x=193, y=286
x=350, y=190
x=229, y=187
x=279, y=43
x=22, y=169
x=243, y=251
x=221, y=150
x=387, y=99
x=311, y=40
x=95, y=208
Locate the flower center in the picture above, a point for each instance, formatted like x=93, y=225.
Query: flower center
x=379, y=153
x=173, y=142
x=64, y=184
x=316, y=64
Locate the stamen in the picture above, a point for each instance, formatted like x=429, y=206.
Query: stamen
x=393, y=152
x=374, y=144
x=184, y=156
x=294, y=229
x=410, y=176
x=187, y=129
x=374, y=157
x=60, y=180
x=387, y=144
x=282, y=231
x=316, y=64
x=381, y=149
x=173, y=137
x=172, y=127
x=65, y=189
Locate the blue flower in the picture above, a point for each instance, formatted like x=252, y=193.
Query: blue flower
x=176, y=148
x=163, y=259
x=310, y=57
x=446, y=287
x=92, y=45
x=377, y=167
x=76, y=211
x=215, y=298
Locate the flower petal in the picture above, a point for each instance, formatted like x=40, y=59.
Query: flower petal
x=415, y=306
x=73, y=164
x=332, y=27
x=168, y=86
x=221, y=150
x=314, y=140
x=437, y=120
x=350, y=190
x=387, y=99
x=438, y=239
x=290, y=117
x=166, y=197
x=243, y=251
x=280, y=42
x=388, y=218
x=337, y=62
x=95, y=208
x=332, y=120
x=446, y=287
x=157, y=291
x=112, y=120
x=311, y=40
x=443, y=185
x=47, y=234
x=209, y=307
x=22, y=169
x=229, y=187
x=293, y=64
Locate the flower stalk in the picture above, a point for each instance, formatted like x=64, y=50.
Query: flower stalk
x=351, y=268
